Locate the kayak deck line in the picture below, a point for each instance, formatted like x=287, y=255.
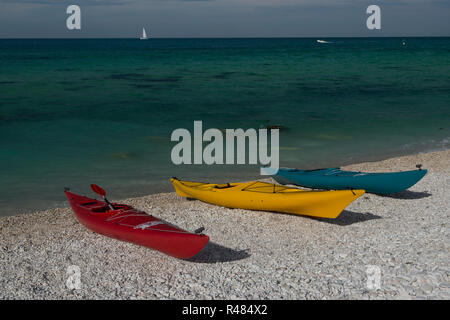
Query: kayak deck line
x=273, y=188
x=120, y=215
x=134, y=213
x=154, y=229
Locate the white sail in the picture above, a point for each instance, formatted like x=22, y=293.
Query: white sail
x=144, y=34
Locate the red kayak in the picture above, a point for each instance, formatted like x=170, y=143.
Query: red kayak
x=125, y=223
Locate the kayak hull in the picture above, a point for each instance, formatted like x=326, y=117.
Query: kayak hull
x=128, y=224
x=336, y=179
x=263, y=196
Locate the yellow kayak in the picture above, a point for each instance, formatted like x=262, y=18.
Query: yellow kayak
x=257, y=195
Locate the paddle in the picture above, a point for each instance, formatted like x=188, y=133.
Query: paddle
x=100, y=191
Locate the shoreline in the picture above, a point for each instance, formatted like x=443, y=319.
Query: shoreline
x=251, y=255
x=352, y=165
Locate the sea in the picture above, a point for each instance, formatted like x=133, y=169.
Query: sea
x=80, y=111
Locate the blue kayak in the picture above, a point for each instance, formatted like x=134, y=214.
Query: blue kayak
x=337, y=179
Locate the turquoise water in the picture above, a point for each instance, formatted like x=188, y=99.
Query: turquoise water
x=75, y=112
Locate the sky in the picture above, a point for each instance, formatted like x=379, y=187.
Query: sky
x=223, y=18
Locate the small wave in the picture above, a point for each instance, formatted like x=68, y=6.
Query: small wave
x=430, y=145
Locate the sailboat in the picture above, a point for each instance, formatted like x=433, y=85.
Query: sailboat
x=144, y=35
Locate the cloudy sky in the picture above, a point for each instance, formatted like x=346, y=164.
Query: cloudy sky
x=223, y=18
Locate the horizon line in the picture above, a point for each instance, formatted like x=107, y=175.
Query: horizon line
x=220, y=37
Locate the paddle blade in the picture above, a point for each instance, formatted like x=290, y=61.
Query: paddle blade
x=98, y=190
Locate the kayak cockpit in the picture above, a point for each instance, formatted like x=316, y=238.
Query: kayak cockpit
x=225, y=186
x=101, y=207
x=87, y=204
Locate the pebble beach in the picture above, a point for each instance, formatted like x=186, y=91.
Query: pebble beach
x=380, y=247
